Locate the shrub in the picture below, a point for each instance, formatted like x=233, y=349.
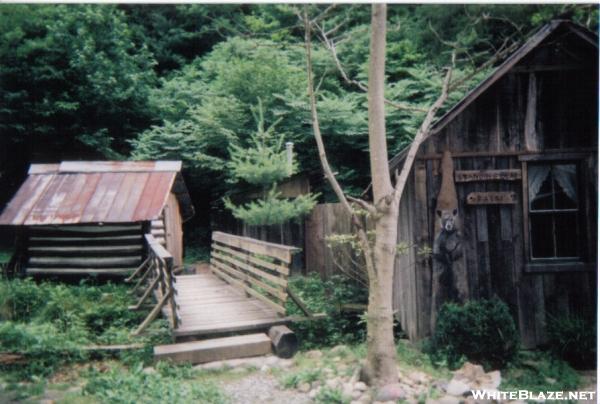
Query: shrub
x=327, y=296
x=21, y=298
x=44, y=346
x=573, y=339
x=169, y=385
x=481, y=331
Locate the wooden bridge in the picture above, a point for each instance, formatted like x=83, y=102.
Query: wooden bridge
x=246, y=290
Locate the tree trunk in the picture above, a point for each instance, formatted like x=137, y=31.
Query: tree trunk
x=381, y=353
x=381, y=365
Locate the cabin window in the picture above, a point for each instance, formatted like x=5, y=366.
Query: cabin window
x=554, y=209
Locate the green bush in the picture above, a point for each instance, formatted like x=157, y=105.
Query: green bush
x=49, y=323
x=326, y=297
x=573, y=339
x=170, y=384
x=480, y=331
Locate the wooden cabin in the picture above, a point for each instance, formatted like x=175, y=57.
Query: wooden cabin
x=523, y=144
x=89, y=217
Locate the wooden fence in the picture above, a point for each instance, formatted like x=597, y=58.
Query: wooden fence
x=310, y=235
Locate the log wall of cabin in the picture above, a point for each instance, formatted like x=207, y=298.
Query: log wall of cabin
x=558, y=110
x=90, y=249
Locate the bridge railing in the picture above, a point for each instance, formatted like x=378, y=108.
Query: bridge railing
x=156, y=277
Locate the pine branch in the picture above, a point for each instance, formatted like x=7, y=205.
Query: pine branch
x=330, y=44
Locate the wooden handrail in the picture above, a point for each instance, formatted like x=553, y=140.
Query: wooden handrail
x=159, y=277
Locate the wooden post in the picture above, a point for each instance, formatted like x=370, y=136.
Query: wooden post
x=285, y=343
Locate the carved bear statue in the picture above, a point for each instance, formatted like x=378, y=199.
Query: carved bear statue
x=447, y=240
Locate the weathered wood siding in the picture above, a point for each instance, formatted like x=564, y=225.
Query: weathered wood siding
x=545, y=104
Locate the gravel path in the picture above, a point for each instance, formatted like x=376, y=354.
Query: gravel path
x=261, y=387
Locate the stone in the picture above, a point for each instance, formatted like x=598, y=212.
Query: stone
x=391, y=392
x=339, y=349
x=313, y=393
x=360, y=386
x=315, y=384
x=444, y=400
x=285, y=363
x=149, y=370
x=304, y=388
x=457, y=388
x=332, y=383
x=356, y=394
x=469, y=371
x=314, y=354
x=418, y=377
x=494, y=380
x=355, y=376
x=264, y=368
x=271, y=360
x=211, y=366
x=347, y=390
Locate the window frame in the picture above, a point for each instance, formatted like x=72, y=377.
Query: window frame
x=556, y=264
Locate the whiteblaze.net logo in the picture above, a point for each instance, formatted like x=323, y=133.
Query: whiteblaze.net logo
x=530, y=395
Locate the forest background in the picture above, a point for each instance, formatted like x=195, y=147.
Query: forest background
x=183, y=82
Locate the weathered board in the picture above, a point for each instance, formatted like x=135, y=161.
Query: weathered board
x=491, y=198
x=486, y=175
x=239, y=346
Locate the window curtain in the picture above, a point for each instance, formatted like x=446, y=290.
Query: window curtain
x=565, y=175
x=537, y=174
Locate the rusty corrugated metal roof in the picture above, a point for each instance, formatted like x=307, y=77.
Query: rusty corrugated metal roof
x=93, y=192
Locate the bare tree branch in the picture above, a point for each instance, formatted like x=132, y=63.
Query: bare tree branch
x=363, y=204
x=330, y=44
x=361, y=233
x=422, y=133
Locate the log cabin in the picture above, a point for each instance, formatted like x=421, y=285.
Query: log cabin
x=90, y=217
x=523, y=144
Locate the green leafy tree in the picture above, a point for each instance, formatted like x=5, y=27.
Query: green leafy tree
x=72, y=79
x=265, y=163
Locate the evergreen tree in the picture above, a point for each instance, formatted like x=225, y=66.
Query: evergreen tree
x=265, y=163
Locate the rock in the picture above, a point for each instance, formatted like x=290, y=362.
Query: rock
x=391, y=392
x=315, y=384
x=494, y=380
x=285, y=363
x=314, y=354
x=339, y=349
x=271, y=360
x=332, y=383
x=457, y=388
x=347, y=390
x=313, y=393
x=360, y=386
x=444, y=400
x=355, y=376
x=304, y=388
x=149, y=370
x=356, y=394
x=328, y=372
x=418, y=377
x=550, y=380
x=211, y=366
x=469, y=371
x=264, y=368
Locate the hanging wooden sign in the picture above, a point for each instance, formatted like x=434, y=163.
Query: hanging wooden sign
x=487, y=175
x=491, y=198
